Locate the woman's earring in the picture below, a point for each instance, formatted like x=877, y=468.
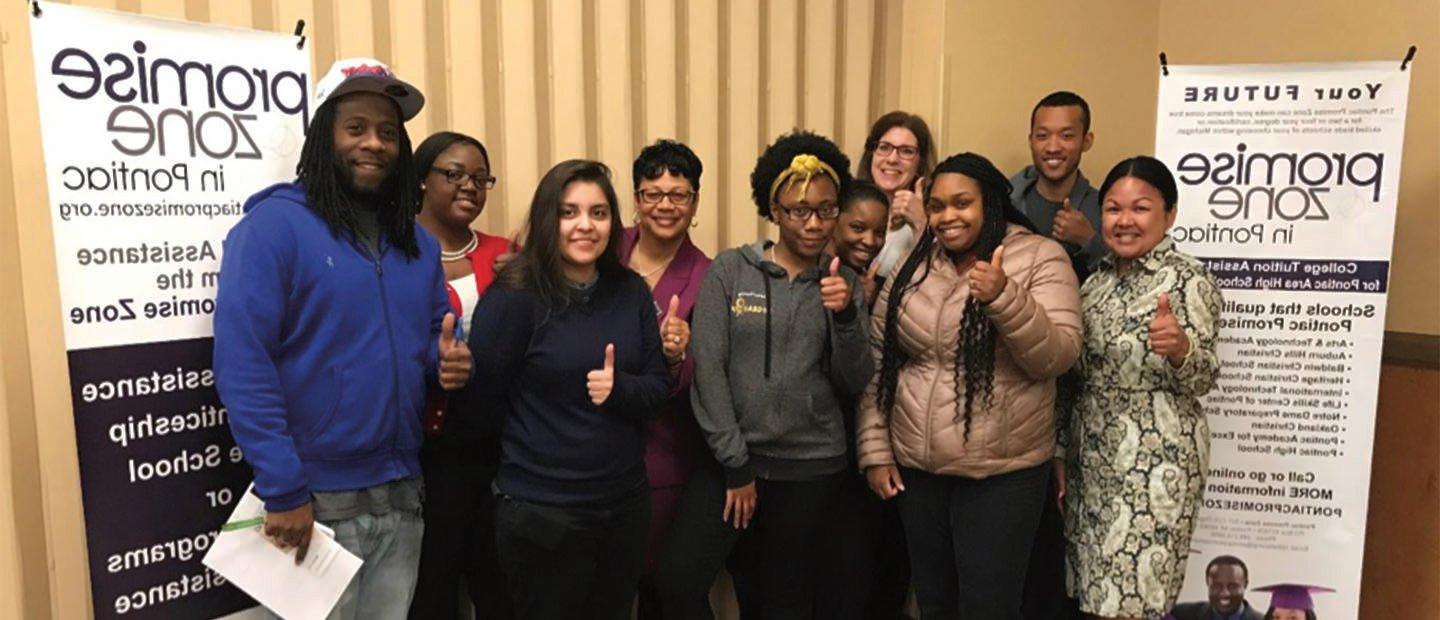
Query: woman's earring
x=422, y=187
x=694, y=223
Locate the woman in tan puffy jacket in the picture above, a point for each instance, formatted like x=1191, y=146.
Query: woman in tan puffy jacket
x=969, y=334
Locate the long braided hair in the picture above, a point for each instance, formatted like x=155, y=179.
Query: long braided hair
x=326, y=189
x=975, y=344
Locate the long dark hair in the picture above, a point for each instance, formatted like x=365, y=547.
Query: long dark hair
x=319, y=172
x=537, y=268
x=975, y=344
x=924, y=141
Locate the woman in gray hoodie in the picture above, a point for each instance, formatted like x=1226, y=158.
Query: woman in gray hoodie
x=779, y=339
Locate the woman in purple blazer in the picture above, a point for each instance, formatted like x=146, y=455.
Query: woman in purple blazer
x=658, y=247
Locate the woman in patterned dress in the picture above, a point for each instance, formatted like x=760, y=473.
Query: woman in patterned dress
x=1136, y=445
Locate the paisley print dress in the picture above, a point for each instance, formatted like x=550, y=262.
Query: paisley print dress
x=1134, y=439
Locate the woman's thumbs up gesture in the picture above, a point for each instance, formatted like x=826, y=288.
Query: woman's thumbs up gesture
x=834, y=290
x=1166, y=338
x=987, y=279
x=455, y=358
x=601, y=382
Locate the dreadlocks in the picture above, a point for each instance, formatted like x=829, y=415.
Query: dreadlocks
x=975, y=344
x=326, y=192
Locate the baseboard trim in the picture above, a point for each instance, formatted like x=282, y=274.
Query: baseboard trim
x=1410, y=349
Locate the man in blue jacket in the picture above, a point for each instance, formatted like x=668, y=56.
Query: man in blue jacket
x=331, y=321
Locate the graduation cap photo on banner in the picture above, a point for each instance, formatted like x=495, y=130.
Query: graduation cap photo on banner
x=1292, y=601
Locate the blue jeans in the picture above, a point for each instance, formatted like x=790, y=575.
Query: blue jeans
x=390, y=546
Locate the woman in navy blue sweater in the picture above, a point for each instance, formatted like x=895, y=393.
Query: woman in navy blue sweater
x=566, y=344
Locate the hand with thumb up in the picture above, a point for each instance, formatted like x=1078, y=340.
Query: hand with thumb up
x=1166, y=338
x=908, y=206
x=455, y=360
x=834, y=290
x=1070, y=225
x=987, y=279
x=601, y=382
x=674, y=333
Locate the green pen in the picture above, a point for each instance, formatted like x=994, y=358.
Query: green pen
x=242, y=524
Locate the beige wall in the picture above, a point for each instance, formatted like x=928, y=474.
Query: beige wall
x=543, y=81
x=12, y=580
x=40, y=448
x=1003, y=57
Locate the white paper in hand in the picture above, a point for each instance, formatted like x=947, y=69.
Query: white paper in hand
x=269, y=575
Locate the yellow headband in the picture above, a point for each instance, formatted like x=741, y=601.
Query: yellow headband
x=802, y=170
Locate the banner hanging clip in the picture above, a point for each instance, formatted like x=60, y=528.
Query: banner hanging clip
x=300, y=32
x=35, y=8
x=1409, y=56
x=1164, y=65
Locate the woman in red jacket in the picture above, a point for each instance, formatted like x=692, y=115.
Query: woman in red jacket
x=455, y=178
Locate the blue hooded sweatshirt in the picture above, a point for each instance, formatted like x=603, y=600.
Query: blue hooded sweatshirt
x=323, y=352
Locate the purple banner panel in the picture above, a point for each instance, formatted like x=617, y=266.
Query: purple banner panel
x=159, y=473
x=1293, y=274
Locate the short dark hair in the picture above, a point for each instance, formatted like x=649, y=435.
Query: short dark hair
x=860, y=191
x=432, y=147
x=667, y=156
x=1228, y=560
x=923, y=141
x=1064, y=99
x=777, y=158
x=537, y=267
x=1149, y=170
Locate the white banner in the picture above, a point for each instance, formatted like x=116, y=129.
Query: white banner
x=155, y=132
x=1288, y=179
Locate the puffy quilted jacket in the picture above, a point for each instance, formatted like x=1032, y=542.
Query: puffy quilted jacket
x=1038, y=338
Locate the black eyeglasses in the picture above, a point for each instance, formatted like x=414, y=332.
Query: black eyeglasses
x=654, y=196
x=884, y=149
x=457, y=178
x=803, y=214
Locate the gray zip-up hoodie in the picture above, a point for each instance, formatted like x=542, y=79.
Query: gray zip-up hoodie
x=1082, y=197
x=772, y=365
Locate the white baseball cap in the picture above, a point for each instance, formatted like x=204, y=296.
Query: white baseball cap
x=368, y=75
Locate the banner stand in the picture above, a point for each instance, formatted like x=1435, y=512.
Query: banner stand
x=154, y=132
x=1289, y=176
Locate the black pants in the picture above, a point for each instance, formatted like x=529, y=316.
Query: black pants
x=970, y=540
x=459, y=543
x=567, y=562
x=862, y=568
x=1045, y=597
x=770, y=561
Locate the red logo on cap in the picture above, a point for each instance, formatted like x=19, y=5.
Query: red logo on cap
x=365, y=70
